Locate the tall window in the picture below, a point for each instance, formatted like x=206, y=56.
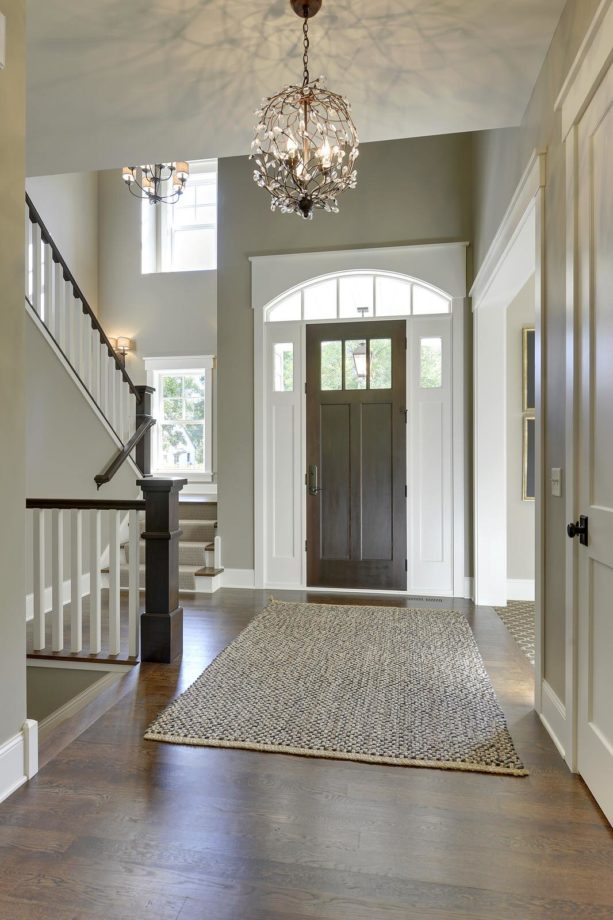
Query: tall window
x=182, y=237
x=183, y=409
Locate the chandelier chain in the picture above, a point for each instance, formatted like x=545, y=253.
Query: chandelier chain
x=305, y=56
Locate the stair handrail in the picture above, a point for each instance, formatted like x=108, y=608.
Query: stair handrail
x=122, y=455
x=78, y=293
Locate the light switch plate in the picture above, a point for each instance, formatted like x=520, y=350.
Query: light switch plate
x=556, y=482
x=2, y=40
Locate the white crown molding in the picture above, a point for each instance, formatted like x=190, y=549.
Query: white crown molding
x=590, y=63
x=533, y=179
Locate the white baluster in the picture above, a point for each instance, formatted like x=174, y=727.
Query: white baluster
x=67, y=321
x=119, y=407
x=128, y=414
x=36, y=269
x=28, y=244
x=76, y=575
x=114, y=575
x=104, y=382
x=110, y=377
x=57, y=580
x=77, y=347
x=59, y=306
x=39, y=579
x=47, y=283
x=95, y=606
x=94, y=340
x=134, y=586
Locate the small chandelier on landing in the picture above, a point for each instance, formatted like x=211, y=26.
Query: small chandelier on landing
x=305, y=144
x=156, y=181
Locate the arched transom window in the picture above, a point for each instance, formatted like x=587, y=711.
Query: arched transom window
x=358, y=295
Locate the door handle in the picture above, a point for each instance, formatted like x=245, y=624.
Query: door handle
x=580, y=529
x=313, y=480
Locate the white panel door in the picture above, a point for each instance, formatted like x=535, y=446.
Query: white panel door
x=595, y=448
x=284, y=541
x=430, y=471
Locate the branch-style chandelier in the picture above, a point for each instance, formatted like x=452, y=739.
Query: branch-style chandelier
x=305, y=144
x=156, y=181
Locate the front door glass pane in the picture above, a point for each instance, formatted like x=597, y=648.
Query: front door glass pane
x=380, y=364
x=356, y=364
x=332, y=365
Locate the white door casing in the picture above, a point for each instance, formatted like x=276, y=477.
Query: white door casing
x=594, y=458
x=280, y=416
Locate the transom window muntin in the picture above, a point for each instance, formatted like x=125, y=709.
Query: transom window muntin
x=358, y=295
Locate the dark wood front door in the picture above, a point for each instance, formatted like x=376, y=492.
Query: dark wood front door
x=356, y=455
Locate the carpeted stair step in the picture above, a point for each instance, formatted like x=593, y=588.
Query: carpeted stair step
x=189, y=553
x=197, y=510
x=198, y=531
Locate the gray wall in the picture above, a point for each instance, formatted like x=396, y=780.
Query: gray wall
x=520, y=514
x=12, y=478
x=408, y=191
x=51, y=688
x=172, y=313
x=500, y=159
x=68, y=205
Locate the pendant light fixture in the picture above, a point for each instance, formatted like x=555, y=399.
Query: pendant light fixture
x=157, y=182
x=305, y=144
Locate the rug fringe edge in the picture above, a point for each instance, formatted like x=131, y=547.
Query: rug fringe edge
x=338, y=755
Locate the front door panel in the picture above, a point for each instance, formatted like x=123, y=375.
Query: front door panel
x=356, y=455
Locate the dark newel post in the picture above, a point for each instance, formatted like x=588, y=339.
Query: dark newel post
x=143, y=413
x=162, y=621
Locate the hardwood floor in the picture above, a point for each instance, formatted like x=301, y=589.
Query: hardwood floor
x=116, y=827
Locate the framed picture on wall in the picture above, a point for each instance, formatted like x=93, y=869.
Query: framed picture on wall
x=528, y=379
x=529, y=458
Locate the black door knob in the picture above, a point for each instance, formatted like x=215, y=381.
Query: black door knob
x=579, y=529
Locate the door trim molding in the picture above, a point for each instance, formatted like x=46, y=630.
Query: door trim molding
x=521, y=234
x=440, y=264
x=585, y=75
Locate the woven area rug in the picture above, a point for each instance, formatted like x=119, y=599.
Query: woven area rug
x=374, y=684
x=518, y=617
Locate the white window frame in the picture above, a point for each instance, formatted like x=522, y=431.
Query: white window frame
x=157, y=367
x=157, y=227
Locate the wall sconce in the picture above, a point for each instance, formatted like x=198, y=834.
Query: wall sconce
x=121, y=346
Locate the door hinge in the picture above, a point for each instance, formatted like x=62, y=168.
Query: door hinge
x=405, y=343
x=406, y=492
x=405, y=412
x=305, y=546
x=305, y=387
x=406, y=565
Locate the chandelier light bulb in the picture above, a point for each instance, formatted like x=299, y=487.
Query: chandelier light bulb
x=305, y=143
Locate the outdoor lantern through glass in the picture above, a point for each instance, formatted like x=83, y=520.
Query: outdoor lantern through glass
x=305, y=144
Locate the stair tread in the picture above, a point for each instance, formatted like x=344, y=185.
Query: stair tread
x=208, y=572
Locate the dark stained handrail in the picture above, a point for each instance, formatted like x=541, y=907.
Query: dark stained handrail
x=85, y=504
x=111, y=468
x=78, y=293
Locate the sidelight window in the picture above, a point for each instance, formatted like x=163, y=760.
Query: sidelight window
x=430, y=363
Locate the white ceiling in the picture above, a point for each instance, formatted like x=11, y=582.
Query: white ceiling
x=125, y=81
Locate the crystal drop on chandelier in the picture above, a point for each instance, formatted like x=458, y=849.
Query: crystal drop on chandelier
x=305, y=145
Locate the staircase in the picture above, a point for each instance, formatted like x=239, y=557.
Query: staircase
x=200, y=570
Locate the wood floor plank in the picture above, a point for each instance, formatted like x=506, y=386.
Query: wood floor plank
x=114, y=826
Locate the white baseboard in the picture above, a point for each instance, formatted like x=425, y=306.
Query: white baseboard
x=66, y=594
x=520, y=589
x=239, y=578
x=553, y=717
x=77, y=703
x=469, y=588
x=18, y=759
